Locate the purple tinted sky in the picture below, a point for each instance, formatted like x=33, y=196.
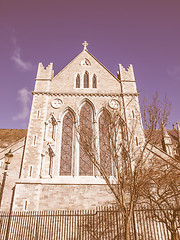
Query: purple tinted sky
x=144, y=33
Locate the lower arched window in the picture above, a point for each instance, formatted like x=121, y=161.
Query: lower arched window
x=104, y=143
x=86, y=134
x=66, y=145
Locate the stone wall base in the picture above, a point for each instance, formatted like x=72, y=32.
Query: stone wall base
x=33, y=197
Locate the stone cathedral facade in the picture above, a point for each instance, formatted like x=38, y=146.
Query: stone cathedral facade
x=54, y=172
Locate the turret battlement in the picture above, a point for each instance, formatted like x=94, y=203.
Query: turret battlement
x=166, y=141
x=45, y=73
x=124, y=74
x=178, y=131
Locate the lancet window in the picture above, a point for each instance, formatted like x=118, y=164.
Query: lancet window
x=78, y=81
x=86, y=80
x=137, y=143
x=104, y=143
x=86, y=135
x=94, y=81
x=67, y=145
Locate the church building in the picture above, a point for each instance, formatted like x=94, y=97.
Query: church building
x=50, y=170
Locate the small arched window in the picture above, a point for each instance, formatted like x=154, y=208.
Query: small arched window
x=94, y=81
x=78, y=81
x=86, y=80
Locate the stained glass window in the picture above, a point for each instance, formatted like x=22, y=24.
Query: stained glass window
x=86, y=131
x=104, y=143
x=94, y=81
x=86, y=80
x=66, y=145
x=78, y=81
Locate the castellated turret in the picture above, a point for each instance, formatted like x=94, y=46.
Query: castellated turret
x=178, y=131
x=45, y=73
x=127, y=79
x=126, y=74
x=166, y=142
x=131, y=102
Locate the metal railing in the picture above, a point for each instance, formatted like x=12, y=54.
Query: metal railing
x=105, y=223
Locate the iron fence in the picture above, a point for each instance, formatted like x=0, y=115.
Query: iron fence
x=105, y=223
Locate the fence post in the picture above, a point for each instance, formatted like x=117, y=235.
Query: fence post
x=10, y=214
x=8, y=226
x=37, y=227
x=134, y=226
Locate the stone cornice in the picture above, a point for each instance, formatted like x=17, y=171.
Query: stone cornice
x=85, y=94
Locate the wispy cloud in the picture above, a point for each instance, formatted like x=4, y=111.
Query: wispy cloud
x=17, y=59
x=24, y=97
x=174, y=72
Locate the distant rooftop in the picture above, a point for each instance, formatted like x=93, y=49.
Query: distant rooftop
x=10, y=136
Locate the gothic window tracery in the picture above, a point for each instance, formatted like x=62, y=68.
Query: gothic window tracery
x=94, y=81
x=86, y=135
x=85, y=62
x=78, y=81
x=66, y=145
x=86, y=80
x=104, y=143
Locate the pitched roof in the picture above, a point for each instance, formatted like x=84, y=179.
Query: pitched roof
x=157, y=136
x=93, y=58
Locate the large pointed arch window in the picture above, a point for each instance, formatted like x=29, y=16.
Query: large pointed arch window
x=104, y=143
x=86, y=134
x=67, y=145
x=86, y=80
x=78, y=81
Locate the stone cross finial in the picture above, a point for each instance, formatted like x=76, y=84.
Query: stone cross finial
x=85, y=44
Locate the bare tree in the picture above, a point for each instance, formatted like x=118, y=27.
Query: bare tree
x=163, y=194
x=153, y=115
x=118, y=158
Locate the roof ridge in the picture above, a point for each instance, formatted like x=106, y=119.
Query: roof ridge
x=85, y=50
x=102, y=65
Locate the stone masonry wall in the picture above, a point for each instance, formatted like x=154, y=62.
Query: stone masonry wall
x=59, y=196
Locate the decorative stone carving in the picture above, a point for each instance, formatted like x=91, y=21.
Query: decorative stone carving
x=56, y=103
x=85, y=44
x=85, y=62
x=114, y=104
